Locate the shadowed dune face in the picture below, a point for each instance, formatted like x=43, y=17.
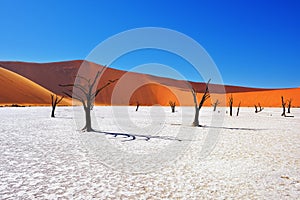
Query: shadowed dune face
x=150, y=90
x=16, y=89
x=48, y=75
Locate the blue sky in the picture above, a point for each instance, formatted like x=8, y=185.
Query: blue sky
x=253, y=43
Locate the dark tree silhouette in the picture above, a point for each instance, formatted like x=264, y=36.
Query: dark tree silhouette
x=260, y=108
x=172, y=104
x=137, y=106
x=54, y=101
x=256, y=108
x=238, y=109
x=198, y=107
x=283, y=103
x=289, y=105
x=86, y=94
x=230, y=105
x=216, y=104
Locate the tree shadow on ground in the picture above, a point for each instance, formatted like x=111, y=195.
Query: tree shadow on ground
x=131, y=137
x=231, y=128
x=62, y=117
x=222, y=127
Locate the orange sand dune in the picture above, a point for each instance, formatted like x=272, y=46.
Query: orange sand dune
x=271, y=98
x=149, y=93
x=16, y=89
x=147, y=89
x=50, y=75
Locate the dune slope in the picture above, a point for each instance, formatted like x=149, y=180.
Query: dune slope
x=147, y=89
x=16, y=89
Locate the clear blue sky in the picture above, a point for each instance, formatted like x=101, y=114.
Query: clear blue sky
x=254, y=43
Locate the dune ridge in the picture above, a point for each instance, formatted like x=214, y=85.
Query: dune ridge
x=146, y=89
x=16, y=89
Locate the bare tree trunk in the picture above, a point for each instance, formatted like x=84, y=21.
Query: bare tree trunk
x=238, y=109
x=283, y=106
x=216, y=104
x=54, y=101
x=260, y=108
x=230, y=105
x=283, y=112
x=289, y=106
x=172, y=104
x=196, y=119
x=53, y=110
x=88, y=125
x=205, y=96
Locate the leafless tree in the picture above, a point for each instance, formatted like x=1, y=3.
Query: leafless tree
x=172, y=104
x=238, y=109
x=199, y=106
x=137, y=106
x=283, y=103
x=260, y=108
x=215, y=104
x=230, y=105
x=256, y=108
x=86, y=94
x=289, y=105
x=54, y=101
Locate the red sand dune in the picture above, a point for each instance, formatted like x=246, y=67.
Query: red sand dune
x=16, y=89
x=132, y=87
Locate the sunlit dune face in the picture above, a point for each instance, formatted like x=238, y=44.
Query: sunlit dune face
x=270, y=98
x=32, y=84
x=16, y=89
x=153, y=94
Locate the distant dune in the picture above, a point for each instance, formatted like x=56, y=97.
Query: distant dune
x=16, y=89
x=41, y=79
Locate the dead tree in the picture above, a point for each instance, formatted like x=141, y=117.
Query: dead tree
x=172, y=104
x=289, y=105
x=260, y=108
x=216, y=104
x=238, y=109
x=137, y=106
x=283, y=103
x=256, y=108
x=230, y=105
x=256, y=111
x=54, y=101
x=86, y=94
x=198, y=107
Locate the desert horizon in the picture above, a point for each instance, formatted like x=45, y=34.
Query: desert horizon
x=31, y=84
x=156, y=100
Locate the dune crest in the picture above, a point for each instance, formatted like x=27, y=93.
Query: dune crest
x=16, y=89
x=149, y=90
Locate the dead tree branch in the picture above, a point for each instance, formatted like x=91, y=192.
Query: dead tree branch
x=55, y=100
x=86, y=94
x=173, y=105
x=205, y=96
x=215, y=104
